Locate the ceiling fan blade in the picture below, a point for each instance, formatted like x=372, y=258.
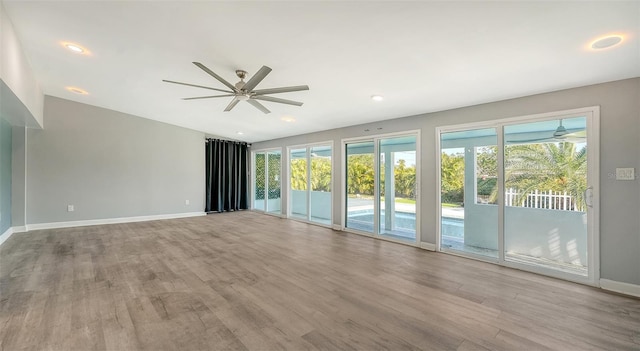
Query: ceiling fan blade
x=208, y=97
x=257, y=78
x=258, y=105
x=280, y=90
x=273, y=99
x=582, y=134
x=197, y=86
x=232, y=104
x=211, y=73
x=551, y=139
x=564, y=139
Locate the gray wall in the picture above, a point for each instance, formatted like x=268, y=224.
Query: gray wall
x=5, y=175
x=18, y=170
x=619, y=147
x=110, y=165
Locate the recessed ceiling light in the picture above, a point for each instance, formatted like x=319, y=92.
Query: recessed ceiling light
x=73, y=47
x=377, y=97
x=287, y=119
x=606, y=42
x=239, y=133
x=77, y=90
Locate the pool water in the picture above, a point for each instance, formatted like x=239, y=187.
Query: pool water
x=404, y=220
x=451, y=227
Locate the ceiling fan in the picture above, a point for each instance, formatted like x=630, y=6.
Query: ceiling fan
x=561, y=134
x=244, y=91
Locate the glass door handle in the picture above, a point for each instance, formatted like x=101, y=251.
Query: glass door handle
x=588, y=197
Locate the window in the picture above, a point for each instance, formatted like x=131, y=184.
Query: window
x=310, y=183
x=266, y=181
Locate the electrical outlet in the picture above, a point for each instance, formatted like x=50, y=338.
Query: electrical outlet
x=186, y=202
x=70, y=208
x=625, y=174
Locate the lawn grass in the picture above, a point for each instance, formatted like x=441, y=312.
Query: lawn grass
x=446, y=204
x=401, y=200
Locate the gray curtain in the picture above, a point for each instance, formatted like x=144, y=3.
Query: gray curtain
x=226, y=175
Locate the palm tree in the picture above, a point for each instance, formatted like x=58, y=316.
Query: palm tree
x=547, y=166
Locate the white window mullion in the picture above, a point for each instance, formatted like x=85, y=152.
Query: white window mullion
x=501, y=192
x=266, y=181
x=308, y=183
x=376, y=187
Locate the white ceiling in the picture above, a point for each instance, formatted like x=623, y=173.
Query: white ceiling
x=421, y=56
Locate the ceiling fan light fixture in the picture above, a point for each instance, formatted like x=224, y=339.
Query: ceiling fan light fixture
x=242, y=97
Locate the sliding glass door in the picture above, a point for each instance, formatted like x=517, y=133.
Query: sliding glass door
x=298, y=194
x=310, y=183
x=381, y=187
x=266, y=181
x=546, y=190
x=360, y=199
x=320, y=201
x=398, y=185
x=521, y=193
x=468, y=188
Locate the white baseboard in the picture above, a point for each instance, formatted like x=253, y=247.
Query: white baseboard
x=7, y=233
x=620, y=287
x=54, y=225
x=21, y=229
x=337, y=227
x=428, y=246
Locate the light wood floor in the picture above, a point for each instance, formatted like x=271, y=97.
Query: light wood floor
x=249, y=281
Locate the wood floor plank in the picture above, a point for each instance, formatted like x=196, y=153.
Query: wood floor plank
x=247, y=281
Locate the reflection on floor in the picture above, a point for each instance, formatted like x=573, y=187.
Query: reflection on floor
x=544, y=262
x=398, y=233
x=457, y=244
x=314, y=219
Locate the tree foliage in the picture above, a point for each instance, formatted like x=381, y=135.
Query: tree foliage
x=360, y=176
x=320, y=174
x=273, y=181
x=547, y=166
x=299, y=174
x=558, y=167
x=405, y=180
x=452, y=177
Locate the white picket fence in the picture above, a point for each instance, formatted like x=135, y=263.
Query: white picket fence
x=550, y=200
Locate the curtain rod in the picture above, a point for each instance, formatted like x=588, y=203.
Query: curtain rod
x=227, y=141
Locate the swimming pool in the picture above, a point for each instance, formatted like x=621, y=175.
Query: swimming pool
x=451, y=227
x=403, y=220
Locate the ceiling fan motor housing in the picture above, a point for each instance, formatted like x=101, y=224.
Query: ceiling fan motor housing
x=560, y=131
